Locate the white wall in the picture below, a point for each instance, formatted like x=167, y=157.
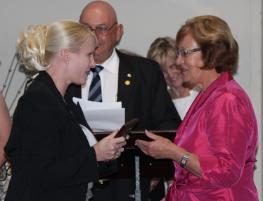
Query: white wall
x=144, y=20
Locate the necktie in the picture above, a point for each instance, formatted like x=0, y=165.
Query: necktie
x=95, y=86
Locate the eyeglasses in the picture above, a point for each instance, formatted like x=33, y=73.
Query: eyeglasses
x=101, y=29
x=185, y=53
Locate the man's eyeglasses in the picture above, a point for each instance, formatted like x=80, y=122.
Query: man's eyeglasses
x=185, y=53
x=101, y=29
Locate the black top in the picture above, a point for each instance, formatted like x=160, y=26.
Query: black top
x=50, y=155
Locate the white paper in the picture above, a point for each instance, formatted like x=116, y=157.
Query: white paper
x=102, y=116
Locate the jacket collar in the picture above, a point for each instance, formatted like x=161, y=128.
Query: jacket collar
x=202, y=98
x=126, y=79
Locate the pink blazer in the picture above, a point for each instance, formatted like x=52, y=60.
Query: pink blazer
x=221, y=129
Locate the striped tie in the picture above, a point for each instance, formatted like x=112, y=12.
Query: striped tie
x=95, y=86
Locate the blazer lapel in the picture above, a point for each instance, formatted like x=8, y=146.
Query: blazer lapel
x=126, y=81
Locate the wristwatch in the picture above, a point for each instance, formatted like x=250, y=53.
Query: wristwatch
x=184, y=160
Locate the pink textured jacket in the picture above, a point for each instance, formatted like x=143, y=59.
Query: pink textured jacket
x=221, y=129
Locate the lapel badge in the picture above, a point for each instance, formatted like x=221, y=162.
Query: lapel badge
x=127, y=82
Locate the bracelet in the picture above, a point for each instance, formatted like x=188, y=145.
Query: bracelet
x=184, y=160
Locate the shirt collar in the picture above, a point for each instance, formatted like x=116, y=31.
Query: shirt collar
x=112, y=63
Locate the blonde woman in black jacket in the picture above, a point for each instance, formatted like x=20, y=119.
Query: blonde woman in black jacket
x=50, y=155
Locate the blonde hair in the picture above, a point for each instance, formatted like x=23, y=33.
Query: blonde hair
x=161, y=48
x=39, y=43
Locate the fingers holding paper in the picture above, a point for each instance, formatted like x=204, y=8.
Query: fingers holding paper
x=109, y=148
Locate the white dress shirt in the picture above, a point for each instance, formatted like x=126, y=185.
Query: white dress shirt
x=108, y=77
x=183, y=104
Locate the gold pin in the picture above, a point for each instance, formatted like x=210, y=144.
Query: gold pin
x=129, y=75
x=127, y=82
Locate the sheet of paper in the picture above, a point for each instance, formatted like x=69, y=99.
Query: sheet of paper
x=102, y=116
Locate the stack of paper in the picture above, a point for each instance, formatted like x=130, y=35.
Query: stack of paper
x=102, y=116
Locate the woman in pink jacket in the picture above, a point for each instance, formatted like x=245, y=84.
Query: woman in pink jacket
x=214, y=151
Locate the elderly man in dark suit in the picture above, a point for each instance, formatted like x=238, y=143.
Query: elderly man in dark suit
x=135, y=81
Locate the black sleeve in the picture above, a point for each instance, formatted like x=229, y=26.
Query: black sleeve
x=47, y=145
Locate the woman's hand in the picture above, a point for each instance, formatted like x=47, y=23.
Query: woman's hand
x=109, y=148
x=161, y=148
x=158, y=148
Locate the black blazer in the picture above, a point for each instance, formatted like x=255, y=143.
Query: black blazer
x=146, y=98
x=50, y=156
